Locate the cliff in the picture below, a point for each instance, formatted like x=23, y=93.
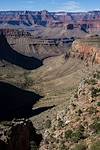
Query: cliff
x=18, y=135
x=87, y=49
x=87, y=21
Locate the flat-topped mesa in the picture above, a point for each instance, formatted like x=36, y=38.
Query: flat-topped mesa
x=87, y=49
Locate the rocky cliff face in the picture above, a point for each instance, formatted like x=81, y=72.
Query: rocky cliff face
x=22, y=43
x=87, y=49
x=87, y=21
x=18, y=135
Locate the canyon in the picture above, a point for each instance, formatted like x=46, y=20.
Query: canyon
x=83, y=20
x=88, y=22
x=49, y=80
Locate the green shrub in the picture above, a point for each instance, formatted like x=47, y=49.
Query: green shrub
x=76, y=136
x=81, y=128
x=95, y=145
x=97, y=75
x=91, y=81
x=60, y=123
x=98, y=103
x=63, y=147
x=48, y=123
x=68, y=134
x=95, y=92
x=95, y=127
x=80, y=147
x=92, y=110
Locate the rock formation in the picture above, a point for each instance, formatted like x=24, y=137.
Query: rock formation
x=34, y=48
x=18, y=135
x=87, y=49
x=87, y=21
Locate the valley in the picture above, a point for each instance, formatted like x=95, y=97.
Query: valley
x=49, y=80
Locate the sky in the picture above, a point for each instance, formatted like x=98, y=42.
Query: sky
x=50, y=5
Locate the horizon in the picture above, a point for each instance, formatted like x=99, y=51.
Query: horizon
x=51, y=6
x=50, y=11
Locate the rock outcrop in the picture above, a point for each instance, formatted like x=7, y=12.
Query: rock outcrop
x=18, y=135
x=87, y=49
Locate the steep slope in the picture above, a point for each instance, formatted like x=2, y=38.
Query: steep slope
x=57, y=79
x=78, y=126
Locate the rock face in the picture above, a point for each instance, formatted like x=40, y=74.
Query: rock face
x=87, y=49
x=18, y=135
x=19, y=42
x=87, y=21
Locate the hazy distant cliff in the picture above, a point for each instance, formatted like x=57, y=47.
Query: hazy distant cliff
x=87, y=21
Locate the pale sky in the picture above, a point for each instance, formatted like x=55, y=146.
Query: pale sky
x=50, y=5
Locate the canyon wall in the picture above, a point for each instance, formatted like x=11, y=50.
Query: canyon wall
x=87, y=49
x=87, y=21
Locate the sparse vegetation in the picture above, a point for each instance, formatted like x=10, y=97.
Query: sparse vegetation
x=63, y=147
x=96, y=127
x=60, y=123
x=77, y=135
x=95, y=92
x=48, y=123
x=91, y=81
x=98, y=103
x=80, y=146
x=96, y=75
x=68, y=134
x=95, y=145
x=92, y=110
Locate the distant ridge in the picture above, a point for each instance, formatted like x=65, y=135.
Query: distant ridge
x=89, y=21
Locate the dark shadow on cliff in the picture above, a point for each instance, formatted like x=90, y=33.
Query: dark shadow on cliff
x=10, y=55
x=39, y=110
x=18, y=103
x=15, y=101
